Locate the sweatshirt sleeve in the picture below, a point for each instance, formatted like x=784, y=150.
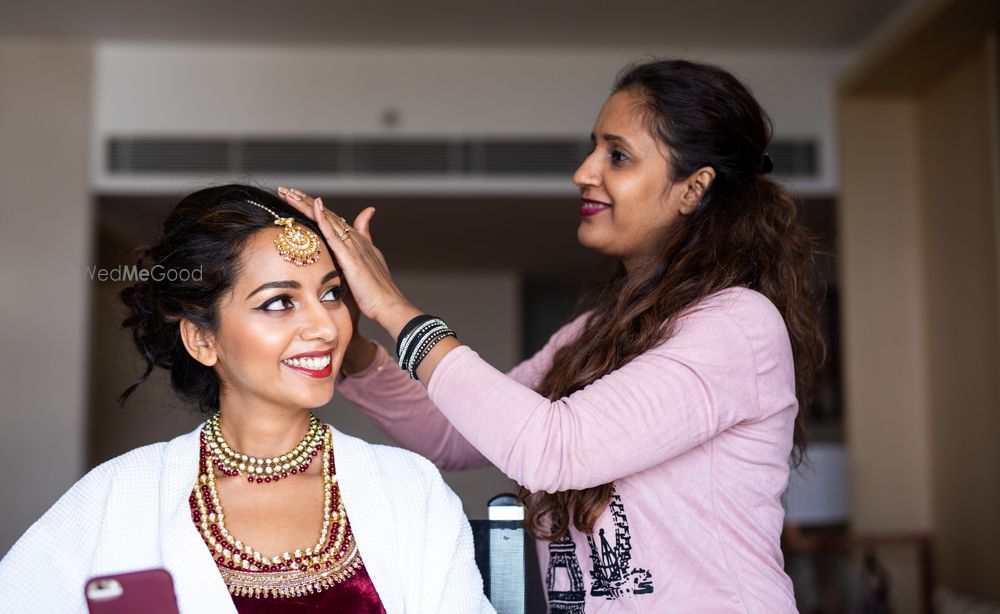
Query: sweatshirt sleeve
x=669, y=400
x=401, y=408
x=45, y=570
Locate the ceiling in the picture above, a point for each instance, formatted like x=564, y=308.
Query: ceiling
x=765, y=24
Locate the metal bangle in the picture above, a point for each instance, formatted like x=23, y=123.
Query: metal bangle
x=406, y=342
x=418, y=342
x=427, y=350
x=410, y=326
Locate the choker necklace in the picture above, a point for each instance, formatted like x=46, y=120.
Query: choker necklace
x=262, y=470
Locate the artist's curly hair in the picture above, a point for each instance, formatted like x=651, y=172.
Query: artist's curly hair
x=745, y=232
x=206, y=231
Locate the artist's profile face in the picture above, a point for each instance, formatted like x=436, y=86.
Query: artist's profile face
x=283, y=329
x=628, y=198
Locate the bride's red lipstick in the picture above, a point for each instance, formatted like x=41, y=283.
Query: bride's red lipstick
x=316, y=373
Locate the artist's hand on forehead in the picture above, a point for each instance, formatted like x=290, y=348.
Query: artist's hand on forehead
x=305, y=204
x=363, y=264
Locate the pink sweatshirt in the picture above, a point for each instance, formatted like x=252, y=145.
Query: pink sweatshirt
x=695, y=434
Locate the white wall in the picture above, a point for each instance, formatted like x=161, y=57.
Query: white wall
x=45, y=221
x=173, y=89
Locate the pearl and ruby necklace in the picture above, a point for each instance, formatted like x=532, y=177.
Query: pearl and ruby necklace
x=334, y=559
x=262, y=470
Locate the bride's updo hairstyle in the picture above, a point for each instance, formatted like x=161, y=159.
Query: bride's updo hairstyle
x=192, y=266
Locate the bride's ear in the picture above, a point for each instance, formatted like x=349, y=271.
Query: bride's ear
x=199, y=343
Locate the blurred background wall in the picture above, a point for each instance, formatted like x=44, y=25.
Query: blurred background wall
x=885, y=124
x=46, y=100
x=918, y=118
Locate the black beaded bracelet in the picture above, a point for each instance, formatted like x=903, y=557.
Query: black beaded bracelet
x=410, y=327
x=413, y=341
x=418, y=348
x=425, y=335
x=416, y=340
x=425, y=348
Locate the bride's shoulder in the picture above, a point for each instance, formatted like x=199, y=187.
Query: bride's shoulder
x=355, y=451
x=145, y=459
x=393, y=466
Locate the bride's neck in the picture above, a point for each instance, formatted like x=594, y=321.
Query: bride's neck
x=263, y=432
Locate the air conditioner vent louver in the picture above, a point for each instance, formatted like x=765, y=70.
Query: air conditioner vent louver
x=525, y=157
x=386, y=158
x=169, y=155
x=299, y=156
x=399, y=157
x=794, y=158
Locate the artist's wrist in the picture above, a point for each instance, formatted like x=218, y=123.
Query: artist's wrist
x=394, y=317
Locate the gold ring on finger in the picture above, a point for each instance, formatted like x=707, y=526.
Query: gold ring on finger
x=343, y=232
x=346, y=230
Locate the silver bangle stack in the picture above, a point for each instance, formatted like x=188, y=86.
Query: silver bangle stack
x=419, y=338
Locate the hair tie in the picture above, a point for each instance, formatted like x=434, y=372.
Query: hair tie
x=766, y=164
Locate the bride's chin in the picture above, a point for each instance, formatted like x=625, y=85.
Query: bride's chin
x=315, y=401
x=310, y=399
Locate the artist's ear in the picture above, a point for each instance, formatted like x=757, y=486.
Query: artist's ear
x=199, y=343
x=695, y=188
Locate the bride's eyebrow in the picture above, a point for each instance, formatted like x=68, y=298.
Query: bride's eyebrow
x=329, y=276
x=288, y=283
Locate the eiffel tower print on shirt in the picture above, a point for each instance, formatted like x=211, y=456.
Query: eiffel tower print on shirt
x=612, y=575
x=564, y=572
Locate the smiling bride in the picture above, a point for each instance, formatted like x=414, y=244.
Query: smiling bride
x=263, y=508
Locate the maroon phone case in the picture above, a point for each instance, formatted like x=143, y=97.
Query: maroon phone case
x=150, y=591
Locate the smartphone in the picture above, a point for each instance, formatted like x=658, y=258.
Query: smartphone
x=150, y=591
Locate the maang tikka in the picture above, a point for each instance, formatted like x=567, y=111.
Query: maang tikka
x=295, y=243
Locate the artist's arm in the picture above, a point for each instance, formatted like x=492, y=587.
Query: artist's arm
x=401, y=408
x=660, y=405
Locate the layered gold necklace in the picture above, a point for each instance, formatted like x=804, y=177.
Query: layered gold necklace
x=249, y=573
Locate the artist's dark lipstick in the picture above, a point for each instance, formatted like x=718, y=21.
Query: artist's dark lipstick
x=592, y=207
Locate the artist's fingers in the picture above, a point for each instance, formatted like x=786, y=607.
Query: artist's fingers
x=332, y=234
x=363, y=222
x=298, y=200
x=336, y=222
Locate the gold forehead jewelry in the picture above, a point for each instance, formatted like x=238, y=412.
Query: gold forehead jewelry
x=295, y=243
